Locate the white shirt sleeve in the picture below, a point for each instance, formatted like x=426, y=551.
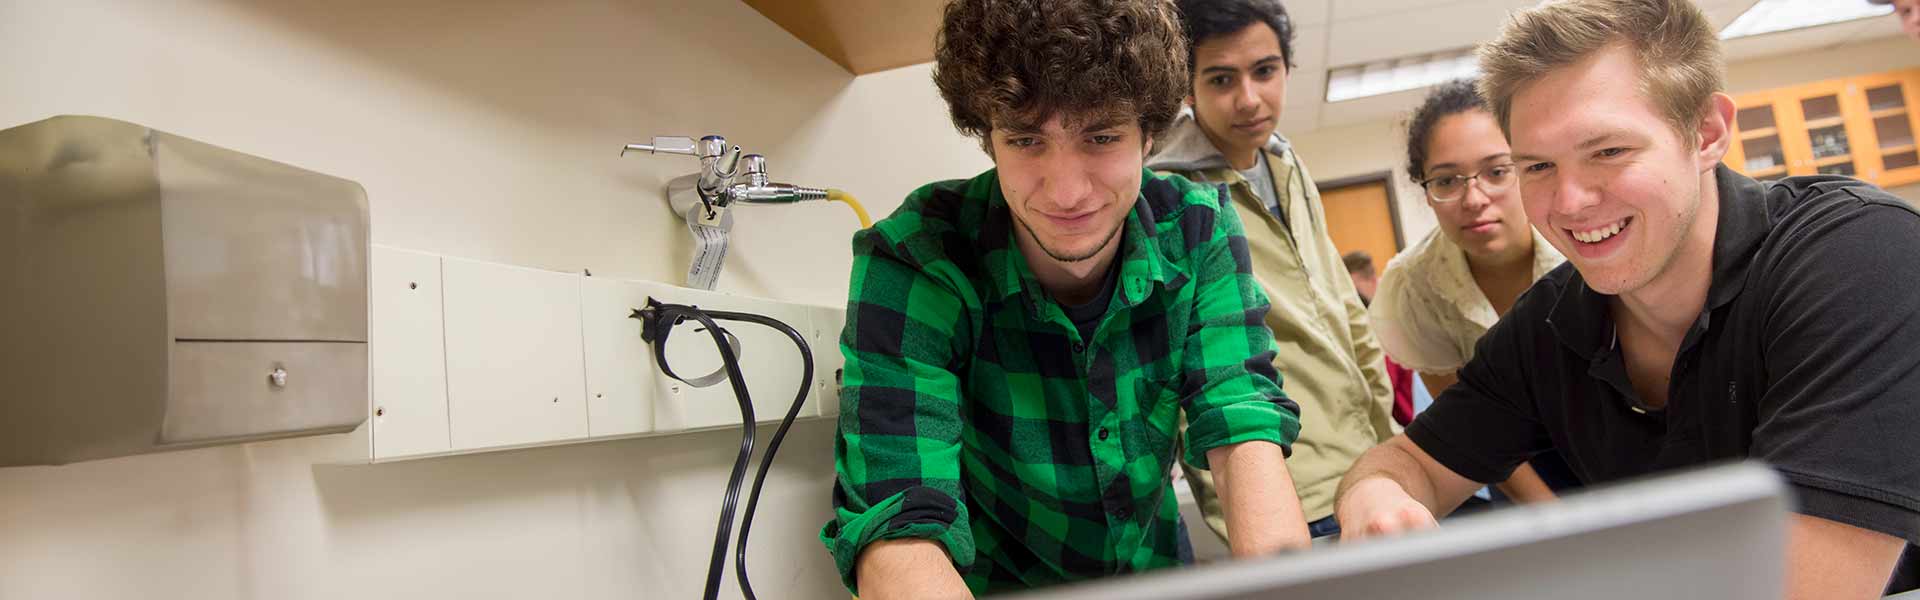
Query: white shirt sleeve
x=1410, y=328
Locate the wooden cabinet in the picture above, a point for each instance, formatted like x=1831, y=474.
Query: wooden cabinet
x=1859, y=126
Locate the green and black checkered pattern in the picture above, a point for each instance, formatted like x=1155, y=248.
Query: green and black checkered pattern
x=974, y=415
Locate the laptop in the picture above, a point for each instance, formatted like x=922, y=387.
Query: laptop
x=1712, y=534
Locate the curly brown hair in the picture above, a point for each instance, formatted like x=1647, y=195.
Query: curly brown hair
x=1018, y=62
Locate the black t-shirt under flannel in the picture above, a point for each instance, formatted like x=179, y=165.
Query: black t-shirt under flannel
x=1806, y=356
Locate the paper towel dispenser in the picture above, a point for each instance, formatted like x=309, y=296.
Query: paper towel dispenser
x=160, y=293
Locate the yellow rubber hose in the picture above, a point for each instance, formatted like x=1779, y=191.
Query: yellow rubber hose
x=842, y=196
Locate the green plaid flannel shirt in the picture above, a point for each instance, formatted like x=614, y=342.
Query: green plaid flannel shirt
x=973, y=415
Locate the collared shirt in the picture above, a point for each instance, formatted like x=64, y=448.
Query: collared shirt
x=1429, y=312
x=1333, y=366
x=974, y=414
x=1806, y=355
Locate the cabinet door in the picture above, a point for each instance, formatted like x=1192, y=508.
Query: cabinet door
x=1885, y=116
x=1830, y=141
x=1757, y=150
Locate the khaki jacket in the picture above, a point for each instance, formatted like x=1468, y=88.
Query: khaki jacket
x=1328, y=359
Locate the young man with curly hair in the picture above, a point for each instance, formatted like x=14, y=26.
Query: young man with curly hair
x=1020, y=345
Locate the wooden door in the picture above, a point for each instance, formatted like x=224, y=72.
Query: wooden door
x=1360, y=216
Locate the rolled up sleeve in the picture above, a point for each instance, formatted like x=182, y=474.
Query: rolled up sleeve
x=1230, y=389
x=897, y=452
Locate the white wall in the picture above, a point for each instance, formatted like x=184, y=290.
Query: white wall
x=1863, y=58
x=1381, y=145
x=491, y=130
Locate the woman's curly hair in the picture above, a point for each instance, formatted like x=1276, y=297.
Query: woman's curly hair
x=1022, y=61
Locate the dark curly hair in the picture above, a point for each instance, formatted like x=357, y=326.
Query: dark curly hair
x=1022, y=61
x=1205, y=19
x=1450, y=98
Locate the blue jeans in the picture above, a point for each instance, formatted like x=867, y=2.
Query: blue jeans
x=1185, y=548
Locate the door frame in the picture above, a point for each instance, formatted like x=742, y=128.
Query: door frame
x=1384, y=178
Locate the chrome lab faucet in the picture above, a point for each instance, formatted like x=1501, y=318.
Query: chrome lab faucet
x=723, y=178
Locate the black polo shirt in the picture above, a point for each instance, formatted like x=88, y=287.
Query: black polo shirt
x=1806, y=356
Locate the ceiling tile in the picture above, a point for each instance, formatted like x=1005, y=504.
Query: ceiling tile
x=1431, y=28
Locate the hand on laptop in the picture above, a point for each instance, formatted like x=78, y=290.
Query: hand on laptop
x=1377, y=507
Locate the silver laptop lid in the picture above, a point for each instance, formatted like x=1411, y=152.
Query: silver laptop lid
x=1710, y=534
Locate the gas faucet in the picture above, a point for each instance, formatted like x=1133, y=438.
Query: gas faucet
x=721, y=182
x=726, y=177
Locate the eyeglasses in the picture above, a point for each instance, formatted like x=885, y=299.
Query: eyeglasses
x=1448, y=188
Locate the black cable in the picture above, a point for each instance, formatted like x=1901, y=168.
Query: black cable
x=653, y=318
x=773, y=446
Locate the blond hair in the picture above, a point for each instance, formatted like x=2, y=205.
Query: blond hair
x=1674, y=44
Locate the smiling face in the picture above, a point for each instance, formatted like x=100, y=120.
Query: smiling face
x=1486, y=225
x=1239, y=89
x=1070, y=185
x=1606, y=179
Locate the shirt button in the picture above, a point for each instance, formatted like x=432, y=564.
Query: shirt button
x=1103, y=434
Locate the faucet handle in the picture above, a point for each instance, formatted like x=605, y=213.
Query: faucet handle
x=754, y=166
x=665, y=145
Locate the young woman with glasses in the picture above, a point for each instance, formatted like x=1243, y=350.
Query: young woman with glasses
x=1438, y=296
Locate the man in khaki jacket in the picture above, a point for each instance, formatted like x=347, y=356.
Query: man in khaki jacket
x=1240, y=55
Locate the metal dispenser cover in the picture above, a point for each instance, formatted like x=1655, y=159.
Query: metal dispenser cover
x=160, y=293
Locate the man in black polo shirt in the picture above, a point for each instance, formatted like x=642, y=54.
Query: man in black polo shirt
x=1703, y=316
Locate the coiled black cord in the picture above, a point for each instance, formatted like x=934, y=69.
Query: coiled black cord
x=657, y=321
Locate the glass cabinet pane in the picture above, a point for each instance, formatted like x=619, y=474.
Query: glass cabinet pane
x=1901, y=160
x=1894, y=131
x=1758, y=117
x=1829, y=141
x=1763, y=154
x=1845, y=168
x=1820, y=108
x=1886, y=97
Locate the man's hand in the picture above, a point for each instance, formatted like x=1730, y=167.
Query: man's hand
x=1397, y=487
x=1377, y=507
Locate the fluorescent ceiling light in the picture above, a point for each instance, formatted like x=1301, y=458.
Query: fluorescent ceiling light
x=1400, y=74
x=1781, y=15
